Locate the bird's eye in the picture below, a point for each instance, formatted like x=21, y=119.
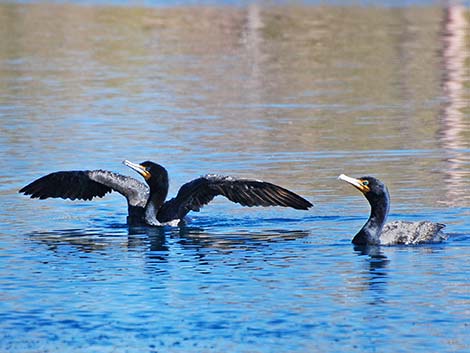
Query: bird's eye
x=365, y=183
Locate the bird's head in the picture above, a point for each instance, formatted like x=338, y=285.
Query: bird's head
x=372, y=188
x=152, y=172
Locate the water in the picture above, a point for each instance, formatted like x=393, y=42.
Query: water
x=292, y=94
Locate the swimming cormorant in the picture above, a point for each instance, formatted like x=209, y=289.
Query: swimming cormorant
x=376, y=232
x=146, y=203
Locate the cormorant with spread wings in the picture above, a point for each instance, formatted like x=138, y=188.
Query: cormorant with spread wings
x=147, y=203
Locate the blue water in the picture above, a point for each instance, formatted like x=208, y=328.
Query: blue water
x=294, y=95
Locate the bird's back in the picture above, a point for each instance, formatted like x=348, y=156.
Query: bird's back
x=403, y=232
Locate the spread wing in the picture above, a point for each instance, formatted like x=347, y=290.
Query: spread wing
x=199, y=192
x=87, y=184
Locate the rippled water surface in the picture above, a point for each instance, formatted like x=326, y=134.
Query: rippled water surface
x=292, y=94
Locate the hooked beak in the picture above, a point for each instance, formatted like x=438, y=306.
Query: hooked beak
x=138, y=168
x=357, y=183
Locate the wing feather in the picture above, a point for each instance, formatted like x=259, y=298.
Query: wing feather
x=199, y=192
x=85, y=185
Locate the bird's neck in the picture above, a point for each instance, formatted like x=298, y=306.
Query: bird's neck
x=158, y=193
x=370, y=232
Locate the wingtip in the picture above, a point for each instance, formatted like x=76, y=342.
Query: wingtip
x=296, y=201
x=23, y=190
x=309, y=206
x=303, y=205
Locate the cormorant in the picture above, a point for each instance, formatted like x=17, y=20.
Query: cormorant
x=376, y=232
x=146, y=203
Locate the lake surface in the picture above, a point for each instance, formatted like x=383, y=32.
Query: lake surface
x=291, y=94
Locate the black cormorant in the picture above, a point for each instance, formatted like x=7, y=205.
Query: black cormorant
x=376, y=232
x=146, y=203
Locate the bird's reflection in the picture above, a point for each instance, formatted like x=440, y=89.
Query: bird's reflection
x=156, y=242
x=160, y=248
x=375, y=268
x=236, y=240
x=154, y=237
x=83, y=240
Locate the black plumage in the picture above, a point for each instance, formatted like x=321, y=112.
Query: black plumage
x=376, y=232
x=194, y=195
x=67, y=185
x=146, y=203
